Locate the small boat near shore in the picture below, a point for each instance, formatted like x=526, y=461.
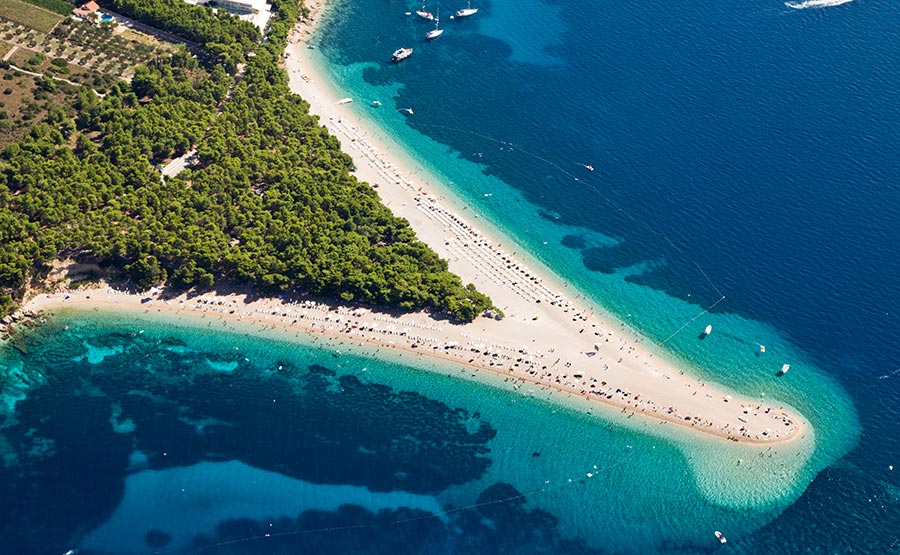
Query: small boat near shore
x=401, y=54
x=344, y=101
x=784, y=369
x=707, y=330
x=721, y=537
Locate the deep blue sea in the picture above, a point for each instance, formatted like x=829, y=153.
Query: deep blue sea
x=740, y=149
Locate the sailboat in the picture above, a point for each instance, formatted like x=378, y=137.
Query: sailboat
x=422, y=13
x=437, y=31
x=467, y=11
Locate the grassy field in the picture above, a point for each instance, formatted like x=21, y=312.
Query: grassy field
x=27, y=14
x=58, y=6
x=132, y=35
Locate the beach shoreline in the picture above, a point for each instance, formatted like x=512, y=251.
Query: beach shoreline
x=545, y=339
x=418, y=335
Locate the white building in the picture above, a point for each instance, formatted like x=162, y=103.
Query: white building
x=256, y=12
x=244, y=6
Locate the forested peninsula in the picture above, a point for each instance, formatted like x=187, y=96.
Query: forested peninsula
x=270, y=203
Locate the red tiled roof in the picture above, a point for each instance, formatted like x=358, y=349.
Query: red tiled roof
x=87, y=9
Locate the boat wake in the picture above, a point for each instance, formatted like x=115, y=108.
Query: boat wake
x=815, y=4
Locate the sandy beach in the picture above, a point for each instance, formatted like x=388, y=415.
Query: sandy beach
x=545, y=339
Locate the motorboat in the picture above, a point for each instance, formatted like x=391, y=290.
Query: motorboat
x=721, y=537
x=815, y=4
x=784, y=369
x=401, y=54
x=707, y=330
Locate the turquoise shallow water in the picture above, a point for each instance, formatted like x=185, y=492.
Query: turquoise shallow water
x=126, y=424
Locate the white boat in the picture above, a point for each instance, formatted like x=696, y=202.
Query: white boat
x=345, y=101
x=376, y=103
x=784, y=369
x=815, y=4
x=437, y=31
x=401, y=54
x=708, y=330
x=467, y=11
x=425, y=14
x=721, y=536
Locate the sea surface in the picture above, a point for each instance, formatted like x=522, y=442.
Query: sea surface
x=745, y=175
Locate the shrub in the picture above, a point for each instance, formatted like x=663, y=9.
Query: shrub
x=36, y=60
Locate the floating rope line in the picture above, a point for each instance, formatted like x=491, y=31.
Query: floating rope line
x=608, y=201
x=689, y=322
x=399, y=524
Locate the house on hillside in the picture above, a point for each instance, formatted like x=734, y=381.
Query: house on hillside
x=86, y=11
